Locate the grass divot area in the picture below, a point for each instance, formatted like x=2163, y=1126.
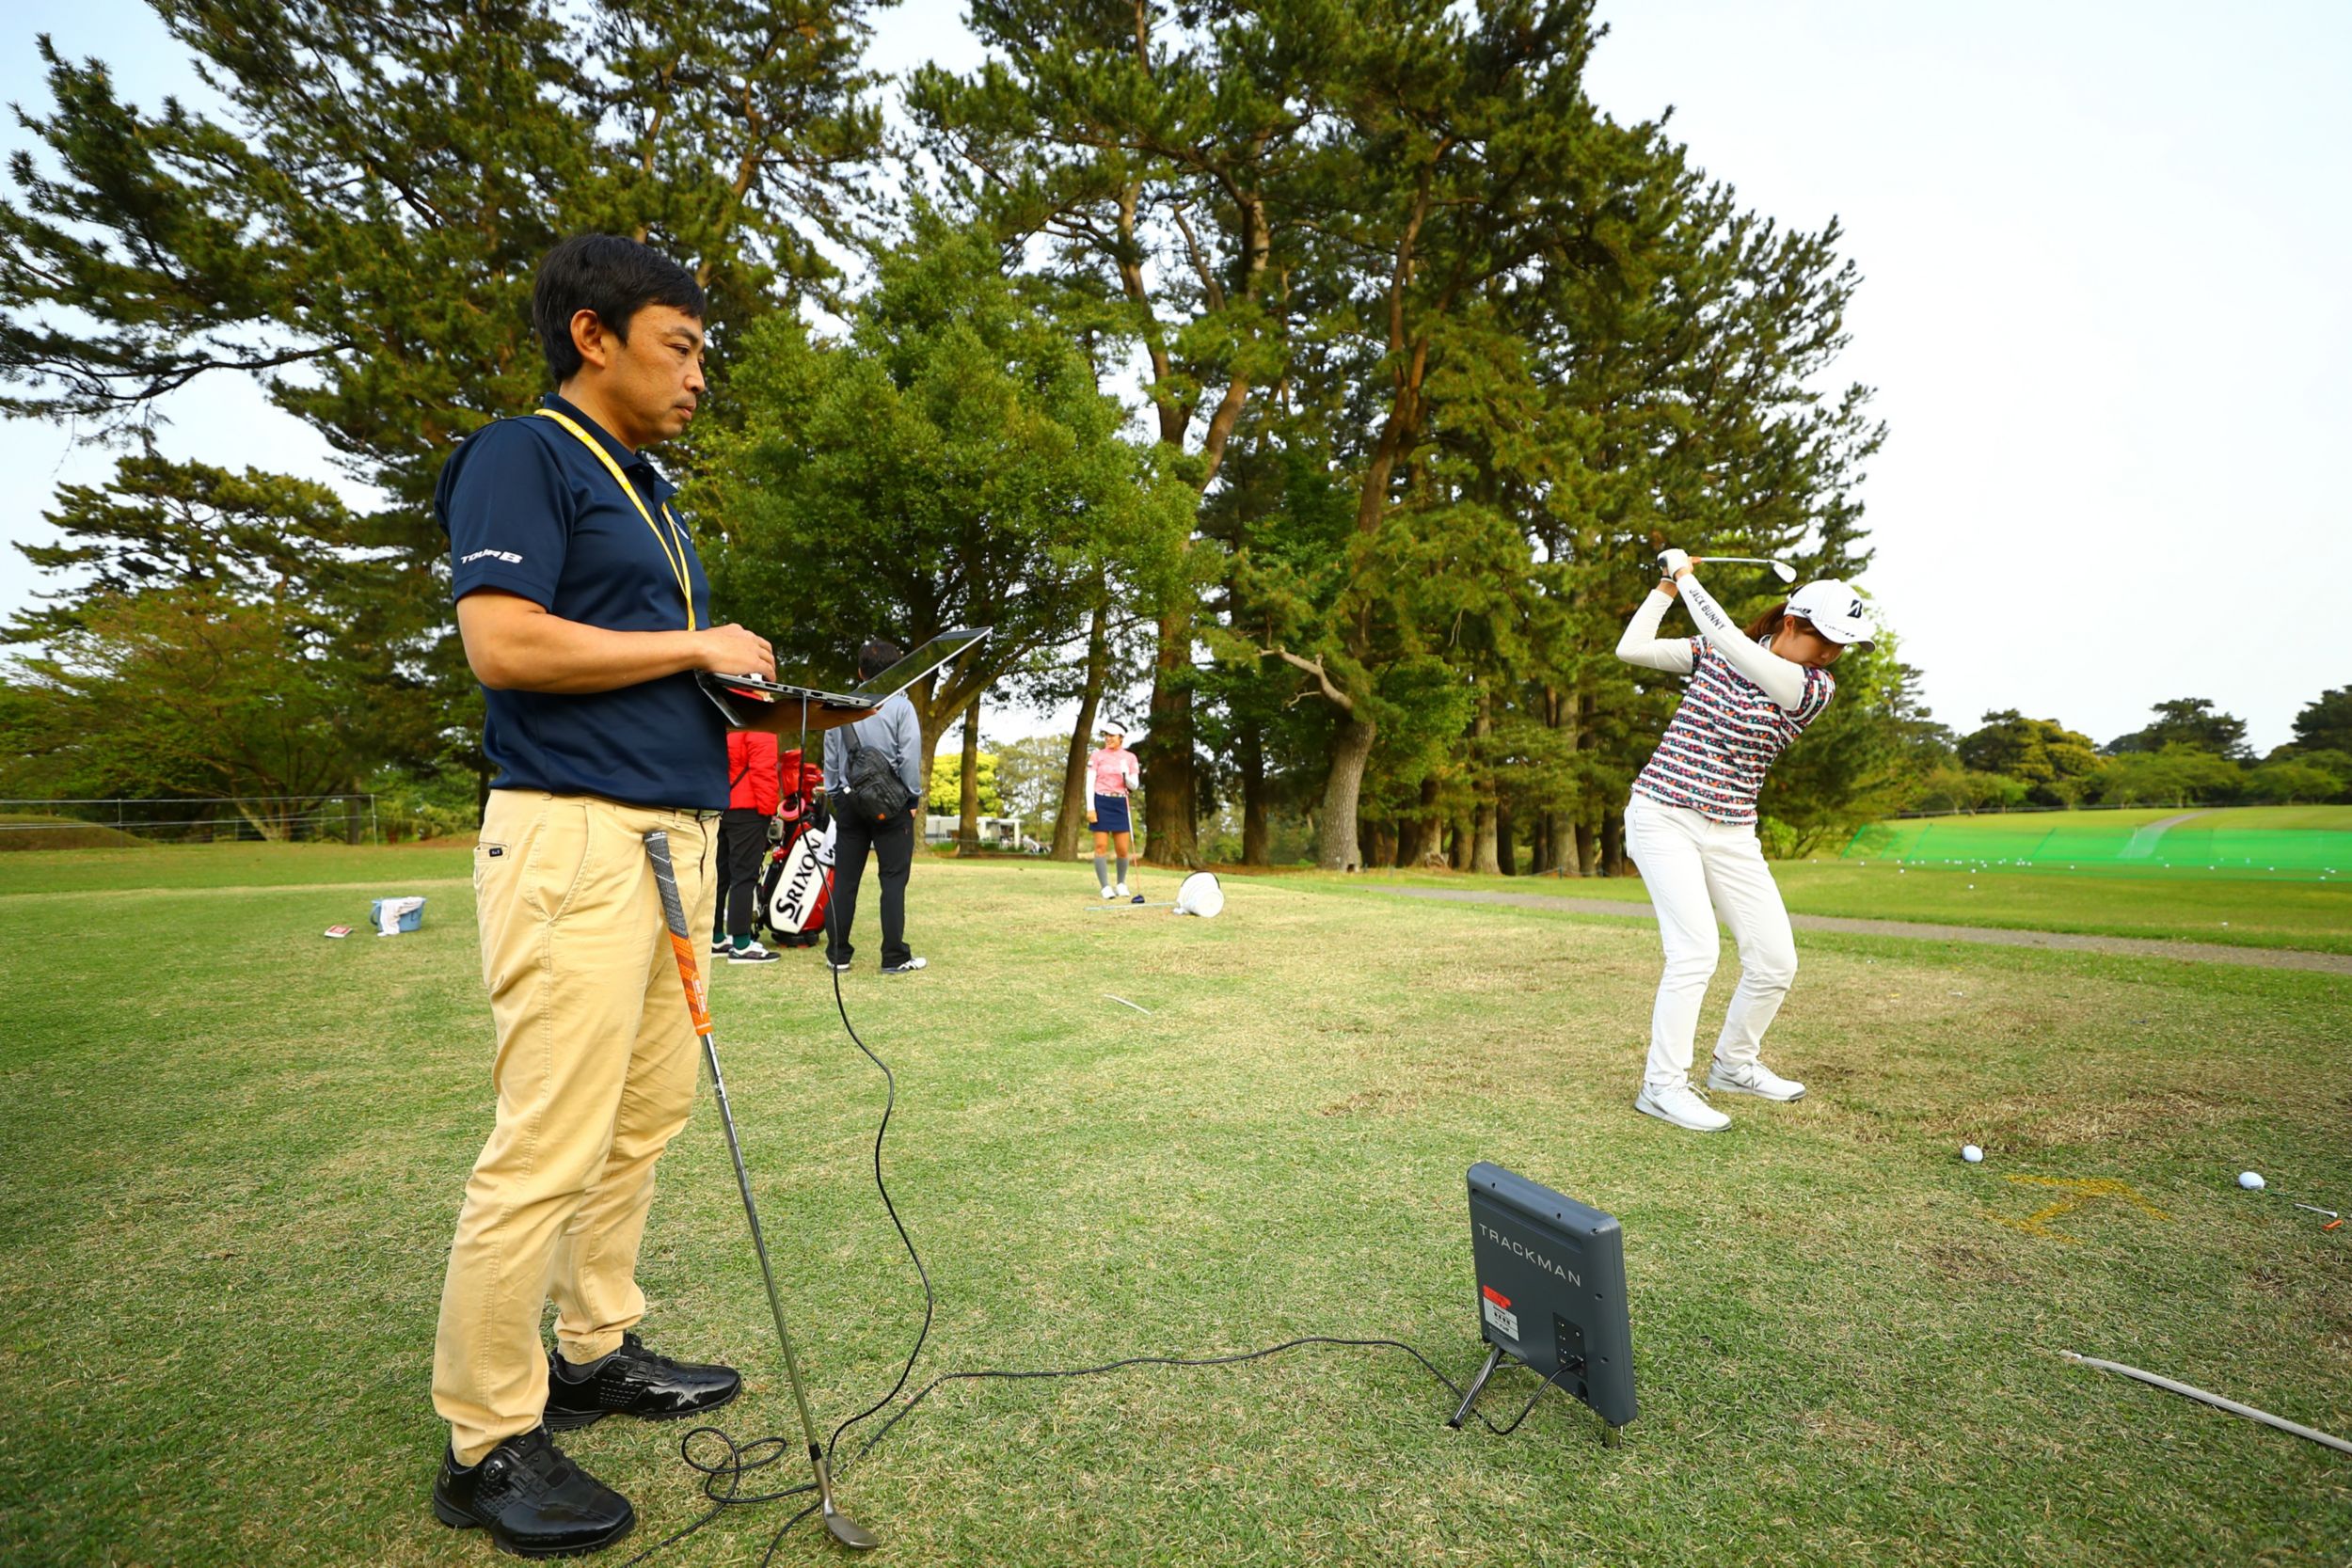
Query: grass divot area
x=235, y=1151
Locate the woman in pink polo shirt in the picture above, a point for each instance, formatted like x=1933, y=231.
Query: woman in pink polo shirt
x=1112, y=771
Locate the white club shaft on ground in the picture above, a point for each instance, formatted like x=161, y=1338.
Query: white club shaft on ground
x=2265, y=1417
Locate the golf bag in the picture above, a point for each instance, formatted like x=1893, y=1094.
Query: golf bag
x=796, y=879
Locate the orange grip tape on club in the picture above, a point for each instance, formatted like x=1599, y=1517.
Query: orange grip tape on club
x=690, y=971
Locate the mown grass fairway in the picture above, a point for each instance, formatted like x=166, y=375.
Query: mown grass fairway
x=2130, y=820
x=234, y=1152
x=2312, y=915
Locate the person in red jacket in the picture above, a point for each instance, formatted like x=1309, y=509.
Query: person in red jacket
x=755, y=781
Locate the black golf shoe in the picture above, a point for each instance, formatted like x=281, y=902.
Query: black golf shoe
x=632, y=1381
x=533, y=1500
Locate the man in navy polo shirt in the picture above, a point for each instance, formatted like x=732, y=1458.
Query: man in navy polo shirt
x=585, y=615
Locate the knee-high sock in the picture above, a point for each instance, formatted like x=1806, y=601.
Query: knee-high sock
x=1101, y=871
x=1123, y=868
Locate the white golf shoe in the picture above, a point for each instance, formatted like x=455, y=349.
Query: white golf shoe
x=1753, y=1078
x=1120, y=892
x=1108, y=894
x=1682, y=1106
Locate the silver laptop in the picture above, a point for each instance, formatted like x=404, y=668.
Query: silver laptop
x=741, y=698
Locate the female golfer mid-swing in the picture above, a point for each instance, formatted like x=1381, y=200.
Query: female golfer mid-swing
x=1111, y=772
x=1691, y=823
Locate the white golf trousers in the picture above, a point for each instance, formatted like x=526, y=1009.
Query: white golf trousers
x=1697, y=871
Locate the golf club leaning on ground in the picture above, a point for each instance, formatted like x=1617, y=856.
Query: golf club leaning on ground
x=839, y=1524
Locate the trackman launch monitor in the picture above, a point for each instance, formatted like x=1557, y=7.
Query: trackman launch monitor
x=1551, y=1292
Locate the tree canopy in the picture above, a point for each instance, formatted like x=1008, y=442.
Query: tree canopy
x=1311, y=380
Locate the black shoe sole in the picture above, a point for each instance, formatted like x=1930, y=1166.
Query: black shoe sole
x=457, y=1520
x=574, y=1420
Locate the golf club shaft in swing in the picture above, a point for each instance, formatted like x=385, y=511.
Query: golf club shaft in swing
x=1781, y=569
x=841, y=1527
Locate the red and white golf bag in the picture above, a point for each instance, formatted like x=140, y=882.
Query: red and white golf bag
x=796, y=881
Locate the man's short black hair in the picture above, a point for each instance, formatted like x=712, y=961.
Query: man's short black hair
x=876, y=656
x=615, y=277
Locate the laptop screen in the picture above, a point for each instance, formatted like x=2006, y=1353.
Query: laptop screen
x=922, y=661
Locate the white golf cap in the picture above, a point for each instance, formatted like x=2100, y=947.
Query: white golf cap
x=1836, y=610
x=1112, y=726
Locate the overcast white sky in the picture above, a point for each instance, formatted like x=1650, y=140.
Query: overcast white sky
x=2105, y=250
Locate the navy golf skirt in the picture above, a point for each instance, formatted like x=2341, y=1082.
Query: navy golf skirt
x=1110, y=814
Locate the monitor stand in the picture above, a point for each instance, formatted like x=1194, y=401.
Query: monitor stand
x=1611, y=1434
x=1478, y=1386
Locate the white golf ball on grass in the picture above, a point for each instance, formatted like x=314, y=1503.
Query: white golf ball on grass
x=2251, y=1181
x=1971, y=1153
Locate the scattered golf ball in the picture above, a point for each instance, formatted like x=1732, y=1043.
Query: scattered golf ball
x=2251, y=1181
x=1971, y=1153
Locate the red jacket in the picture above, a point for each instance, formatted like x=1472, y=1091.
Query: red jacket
x=754, y=772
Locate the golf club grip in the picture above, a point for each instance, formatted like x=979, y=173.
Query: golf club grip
x=682, y=944
x=665, y=876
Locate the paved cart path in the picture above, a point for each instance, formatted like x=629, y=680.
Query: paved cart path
x=1990, y=936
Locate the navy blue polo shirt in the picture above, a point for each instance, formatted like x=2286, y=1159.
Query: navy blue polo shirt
x=530, y=510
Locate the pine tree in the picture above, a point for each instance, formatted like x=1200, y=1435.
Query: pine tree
x=360, y=230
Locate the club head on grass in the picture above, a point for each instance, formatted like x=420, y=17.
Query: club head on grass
x=849, y=1531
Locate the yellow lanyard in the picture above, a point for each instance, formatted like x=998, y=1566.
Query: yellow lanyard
x=676, y=558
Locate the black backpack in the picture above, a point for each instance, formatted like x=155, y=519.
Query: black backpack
x=875, y=792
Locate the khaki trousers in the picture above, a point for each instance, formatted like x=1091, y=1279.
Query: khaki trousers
x=595, y=1074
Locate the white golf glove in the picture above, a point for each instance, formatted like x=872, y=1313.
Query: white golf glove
x=1673, y=563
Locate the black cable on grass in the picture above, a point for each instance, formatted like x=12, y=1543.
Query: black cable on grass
x=743, y=1459
x=1233, y=1360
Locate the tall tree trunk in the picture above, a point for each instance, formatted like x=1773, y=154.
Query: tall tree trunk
x=1482, y=859
x=1257, y=847
x=1070, y=825
x=1169, y=786
x=968, y=819
x=1461, y=842
x=1336, y=847
x=1587, y=848
x=1559, y=827
x=1507, y=841
x=1429, y=835
x=1613, y=844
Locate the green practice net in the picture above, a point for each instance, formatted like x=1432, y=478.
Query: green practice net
x=2192, y=846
